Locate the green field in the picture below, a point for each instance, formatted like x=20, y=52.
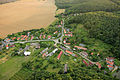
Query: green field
x=13, y=65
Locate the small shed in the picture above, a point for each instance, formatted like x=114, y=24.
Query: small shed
x=27, y=53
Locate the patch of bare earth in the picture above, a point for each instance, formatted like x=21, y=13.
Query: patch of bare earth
x=25, y=15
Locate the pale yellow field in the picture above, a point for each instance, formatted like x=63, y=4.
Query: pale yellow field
x=26, y=14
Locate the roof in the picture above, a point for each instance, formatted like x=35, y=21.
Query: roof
x=18, y=38
x=110, y=58
x=65, y=68
x=64, y=31
x=27, y=53
x=44, y=54
x=111, y=63
x=109, y=66
x=80, y=47
x=55, y=32
x=69, y=52
x=85, y=62
x=98, y=64
x=85, y=53
x=59, y=55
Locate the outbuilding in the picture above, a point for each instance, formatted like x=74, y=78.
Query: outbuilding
x=27, y=53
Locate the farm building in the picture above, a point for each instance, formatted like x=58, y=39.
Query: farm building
x=27, y=53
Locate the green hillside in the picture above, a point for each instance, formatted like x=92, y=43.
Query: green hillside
x=80, y=6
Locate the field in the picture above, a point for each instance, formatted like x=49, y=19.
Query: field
x=6, y=1
x=26, y=14
x=12, y=66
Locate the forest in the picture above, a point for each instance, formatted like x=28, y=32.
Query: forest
x=101, y=25
x=81, y=6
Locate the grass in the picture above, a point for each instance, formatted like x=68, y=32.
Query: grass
x=13, y=65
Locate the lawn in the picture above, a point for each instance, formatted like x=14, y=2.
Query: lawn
x=10, y=67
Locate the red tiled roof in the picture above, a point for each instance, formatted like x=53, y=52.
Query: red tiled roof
x=80, y=47
x=18, y=38
x=92, y=53
x=59, y=55
x=69, y=52
x=64, y=31
x=55, y=32
x=85, y=62
x=7, y=46
x=109, y=66
x=98, y=64
x=111, y=63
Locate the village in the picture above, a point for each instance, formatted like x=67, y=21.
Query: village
x=54, y=40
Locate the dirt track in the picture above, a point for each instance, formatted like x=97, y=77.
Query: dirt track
x=26, y=14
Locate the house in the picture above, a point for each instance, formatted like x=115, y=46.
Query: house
x=65, y=68
x=85, y=63
x=59, y=26
x=27, y=53
x=14, y=38
x=26, y=38
x=64, y=41
x=80, y=47
x=69, y=52
x=68, y=30
x=32, y=37
x=40, y=36
x=44, y=50
x=90, y=63
x=67, y=43
x=92, y=53
x=62, y=47
x=83, y=45
x=50, y=54
x=110, y=59
x=44, y=36
x=11, y=46
x=28, y=33
x=110, y=63
x=59, y=55
x=22, y=38
x=54, y=50
x=55, y=32
x=49, y=36
x=110, y=67
x=22, y=35
x=44, y=54
x=18, y=38
x=70, y=35
x=61, y=22
x=98, y=64
x=85, y=54
x=7, y=47
x=64, y=31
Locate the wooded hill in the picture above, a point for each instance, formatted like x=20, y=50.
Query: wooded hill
x=78, y=6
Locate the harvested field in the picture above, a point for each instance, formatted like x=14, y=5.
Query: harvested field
x=26, y=14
